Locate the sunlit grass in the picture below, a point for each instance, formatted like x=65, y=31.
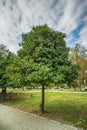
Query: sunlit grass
x=67, y=107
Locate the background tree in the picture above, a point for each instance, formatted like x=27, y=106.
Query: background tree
x=3, y=64
x=3, y=50
x=46, y=53
x=78, y=56
x=6, y=58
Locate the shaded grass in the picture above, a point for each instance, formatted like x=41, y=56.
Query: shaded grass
x=66, y=107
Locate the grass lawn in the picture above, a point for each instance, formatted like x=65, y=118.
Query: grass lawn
x=66, y=107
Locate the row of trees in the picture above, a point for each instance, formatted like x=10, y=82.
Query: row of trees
x=43, y=60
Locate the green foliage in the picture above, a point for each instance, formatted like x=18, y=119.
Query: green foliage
x=5, y=60
x=3, y=50
x=16, y=71
x=47, y=56
x=3, y=64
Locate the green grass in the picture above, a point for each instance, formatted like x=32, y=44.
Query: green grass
x=66, y=107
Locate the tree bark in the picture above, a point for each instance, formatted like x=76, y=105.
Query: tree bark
x=42, y=100
x=5, y=94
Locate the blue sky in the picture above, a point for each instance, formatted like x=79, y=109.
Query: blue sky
x=18, y=16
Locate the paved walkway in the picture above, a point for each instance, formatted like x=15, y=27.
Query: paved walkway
x=13, y=119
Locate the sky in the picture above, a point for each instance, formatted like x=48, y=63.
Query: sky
x=19, y=16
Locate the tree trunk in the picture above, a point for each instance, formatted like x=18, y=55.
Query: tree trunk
x=23, y=88
x=42, y=100
x=4, y=93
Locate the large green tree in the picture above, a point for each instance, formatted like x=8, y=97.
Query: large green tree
x=46, y=53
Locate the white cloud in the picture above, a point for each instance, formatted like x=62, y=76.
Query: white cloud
x=83, y=37
x=18, y=16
